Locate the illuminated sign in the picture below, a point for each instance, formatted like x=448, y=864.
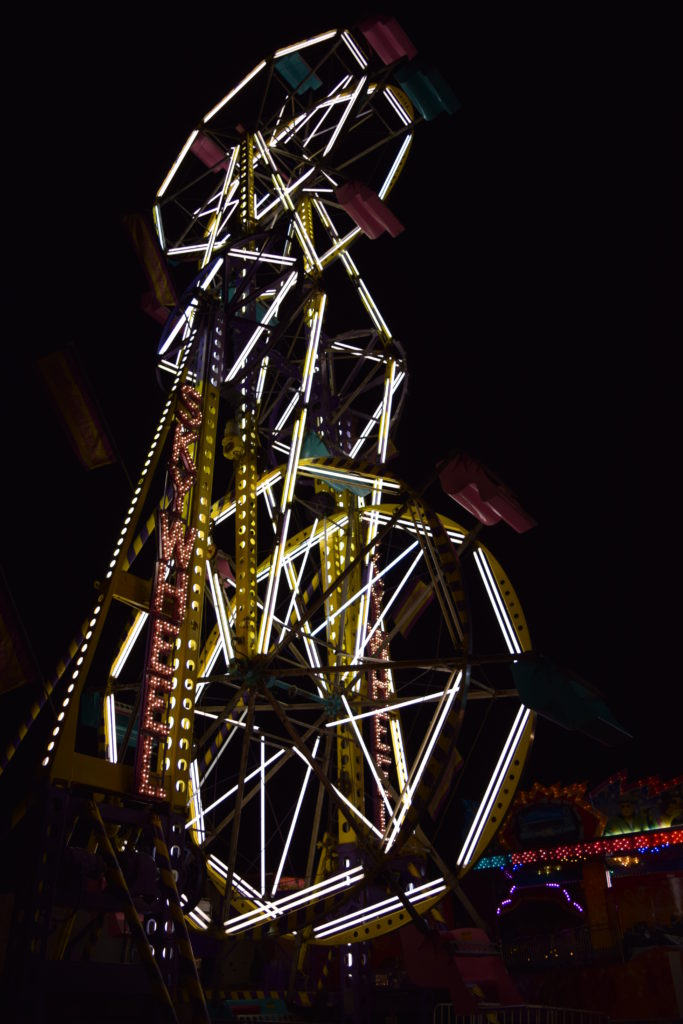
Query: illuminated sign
x=642, y=842
x=176, y=543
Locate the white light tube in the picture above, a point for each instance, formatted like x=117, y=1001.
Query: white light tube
x=221, y=617
x=229, y=792
x=276, y=908
x=347, y=111
x=110, y=718
x=366, y=754
x=353, y=47
x=286, y=414
x=233, y=92
x=305, y=43
x=167, y=180
x=263, y=815
x=418, y=894
x=156, y=212
x=358, y=813
x=295, y=818
x=226, y=742
x=263, y=257
x=128, y=644
x=504, y=621
x=388, y=708
x=423, y=757
x=385, y=420
x=394, y=167
x=368, y=585
x=196, y=801
x=395, y=594
x=499, y=772
x=398, y=107
x=268, y=316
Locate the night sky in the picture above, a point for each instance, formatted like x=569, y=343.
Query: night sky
x=536, y=290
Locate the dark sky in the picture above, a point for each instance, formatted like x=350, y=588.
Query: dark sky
x=536, y=290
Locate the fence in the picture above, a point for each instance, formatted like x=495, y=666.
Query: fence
x=444, y=1013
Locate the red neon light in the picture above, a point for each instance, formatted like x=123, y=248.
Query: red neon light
x=639, y=841
x=176, y=542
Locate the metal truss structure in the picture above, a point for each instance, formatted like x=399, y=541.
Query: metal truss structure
x=258, y=726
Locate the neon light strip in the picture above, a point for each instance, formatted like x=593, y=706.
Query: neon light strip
x=388, y=181
x=390, y=707
x=128, y=644
x=356, y=350
x=367, y=587
x=358, y=813
x=375, y=910
x=350, y=478
x=263, y=815
x=366, y=754
x=423, y=757
x=383, y=438
x=276, y=908
x=369, y=303
x=196, y=802
x=211, y=659
x=212, y=273
x=220, y=514
x=229, y=792
x=241, y=886
x=374, y=418
x=181, y=156
x=637, y=842
x=156, y=213
x=400, y=762
x=335, y=95
x=399, y=109
x=221, y=617
x=233, y=92
x=420, y=528
x=110, y=727
x=297, y=582
x=263, y=257
x=224, y=746
x=261, y=382
x=184, y=322
x=329, y=527
x=491, y=793
x=395, y=594
x=353, y=47
x=268, y=316
x=180, y=249
x=326, y=110
x=294, y=583
x=339, y=245
x=266, y=155
x=347, y=111
x=504, y=621
x=286, y=414
x=290, y=475
x=224, y=199
x=295, y=818
x=306, y=42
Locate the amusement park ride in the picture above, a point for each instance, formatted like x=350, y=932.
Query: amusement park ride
x=257, y=727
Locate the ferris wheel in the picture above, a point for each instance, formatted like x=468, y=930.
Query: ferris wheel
x=281, y=655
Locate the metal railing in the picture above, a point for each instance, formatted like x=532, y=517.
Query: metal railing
x=445, y=1013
